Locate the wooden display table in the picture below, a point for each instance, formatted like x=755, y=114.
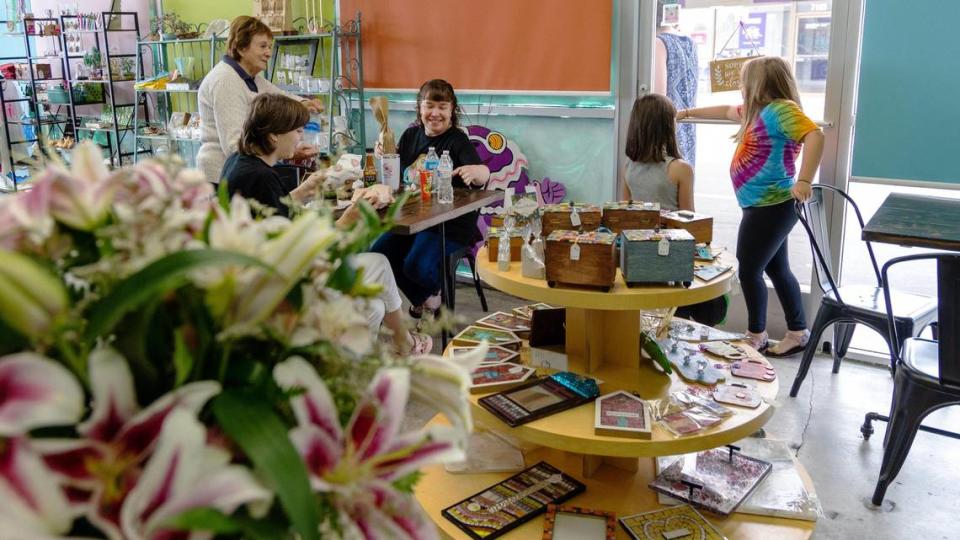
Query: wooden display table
x=608, y=489
x=572, y=430
x=603, y=328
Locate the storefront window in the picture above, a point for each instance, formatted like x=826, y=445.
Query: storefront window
x=796, y=31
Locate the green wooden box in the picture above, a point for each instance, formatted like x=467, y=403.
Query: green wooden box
x=641, y=260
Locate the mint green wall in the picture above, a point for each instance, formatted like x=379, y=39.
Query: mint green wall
x=908, y=121
x=573, y=151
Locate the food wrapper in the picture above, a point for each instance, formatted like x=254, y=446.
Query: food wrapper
x=380, y=106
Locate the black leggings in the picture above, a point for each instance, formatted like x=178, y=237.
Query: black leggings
x=762, y=247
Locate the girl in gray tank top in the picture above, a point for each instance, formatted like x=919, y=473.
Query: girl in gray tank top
x=656, y=172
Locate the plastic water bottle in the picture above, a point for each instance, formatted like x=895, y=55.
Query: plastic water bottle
x=445, y=179
x=430, y=163
x=311, y=132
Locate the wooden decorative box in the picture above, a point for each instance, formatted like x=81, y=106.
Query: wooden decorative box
x=588, y=258
x=648, y=256
x=493, y=244
x=558, y=217
x=623, y=215
x=699, y=225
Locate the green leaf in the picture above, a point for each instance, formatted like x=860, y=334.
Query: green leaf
x=656, y=353
x=251, y=423
x=215, y=521
x=182, y=359
x=405, y=484
x=155, y=279
x=223, y=195
x=204, y=519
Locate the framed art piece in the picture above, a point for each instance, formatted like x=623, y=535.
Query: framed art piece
x=508, y=504
x=495, y=354
x=473, y=335
x=527, y=311
x=541, y=397
x=622, y=414
x=494, y=377
x=717, y=480
x=676, y=523
x=575, y=523
x=505, y=321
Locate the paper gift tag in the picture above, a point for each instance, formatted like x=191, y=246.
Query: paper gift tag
x=663, y=247
x=737, y=394
x=575, y=252
x=574, y=217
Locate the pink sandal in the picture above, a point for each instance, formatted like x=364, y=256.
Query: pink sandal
x=422, y=344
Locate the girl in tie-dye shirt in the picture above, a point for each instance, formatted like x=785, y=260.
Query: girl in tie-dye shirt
x=773, y=129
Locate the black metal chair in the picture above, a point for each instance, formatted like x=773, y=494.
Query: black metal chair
x=453, y=261
x=927, y=378
x=847, y=306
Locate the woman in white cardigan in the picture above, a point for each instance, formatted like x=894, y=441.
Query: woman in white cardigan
x=226, y=93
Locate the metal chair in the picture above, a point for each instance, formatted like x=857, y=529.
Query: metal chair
x=453, y=260
x=928, y=374
x=847, y=306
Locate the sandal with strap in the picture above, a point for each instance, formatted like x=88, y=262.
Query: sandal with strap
x=422, y=344
x=791, y=344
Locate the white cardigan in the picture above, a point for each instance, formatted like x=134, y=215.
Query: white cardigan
x=224, y=101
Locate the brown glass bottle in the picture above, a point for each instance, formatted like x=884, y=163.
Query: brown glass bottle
x=369, y=171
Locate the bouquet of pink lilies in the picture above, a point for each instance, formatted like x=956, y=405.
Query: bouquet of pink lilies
x=174, y=365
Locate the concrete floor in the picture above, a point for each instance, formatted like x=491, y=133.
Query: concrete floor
x=823, y=424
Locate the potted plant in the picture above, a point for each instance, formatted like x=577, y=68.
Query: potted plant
x=170, y=26
x=94, y=60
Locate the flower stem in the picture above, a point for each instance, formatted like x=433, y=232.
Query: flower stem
x=224, y=358
x=75, y=362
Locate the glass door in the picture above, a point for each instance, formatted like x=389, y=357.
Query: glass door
x=800, y=32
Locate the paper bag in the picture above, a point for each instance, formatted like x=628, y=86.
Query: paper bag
x=380, y=107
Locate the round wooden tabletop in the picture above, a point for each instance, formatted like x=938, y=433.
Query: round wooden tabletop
x=609, y=489
x=620, y=297
x=572, y=430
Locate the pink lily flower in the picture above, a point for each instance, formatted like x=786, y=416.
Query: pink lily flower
x=357, y=464
x=25, y=221
x=34, y=392
x=186, y=473
x=103, y=468
x=81, y=197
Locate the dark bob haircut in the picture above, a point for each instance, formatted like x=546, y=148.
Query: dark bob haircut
x=439, y=90
x=270, y=114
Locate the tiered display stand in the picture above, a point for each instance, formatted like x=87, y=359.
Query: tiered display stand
x=603, y=341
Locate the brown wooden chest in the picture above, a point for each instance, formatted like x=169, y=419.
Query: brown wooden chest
x=621, y=215
x=560, y=217
x=699, y=225
x=493, y=243
x=588, y=258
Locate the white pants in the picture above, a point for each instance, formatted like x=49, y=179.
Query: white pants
x=377, y=271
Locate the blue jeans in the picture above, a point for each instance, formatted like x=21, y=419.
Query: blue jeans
x=415, y=260
x=762, y=247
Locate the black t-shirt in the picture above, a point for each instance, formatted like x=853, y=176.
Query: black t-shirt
x=414, y=144
x=252, y=178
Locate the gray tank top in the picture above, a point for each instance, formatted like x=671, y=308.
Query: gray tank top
x=649, y=182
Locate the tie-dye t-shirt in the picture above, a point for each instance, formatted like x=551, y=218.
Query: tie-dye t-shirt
x=765, y=161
